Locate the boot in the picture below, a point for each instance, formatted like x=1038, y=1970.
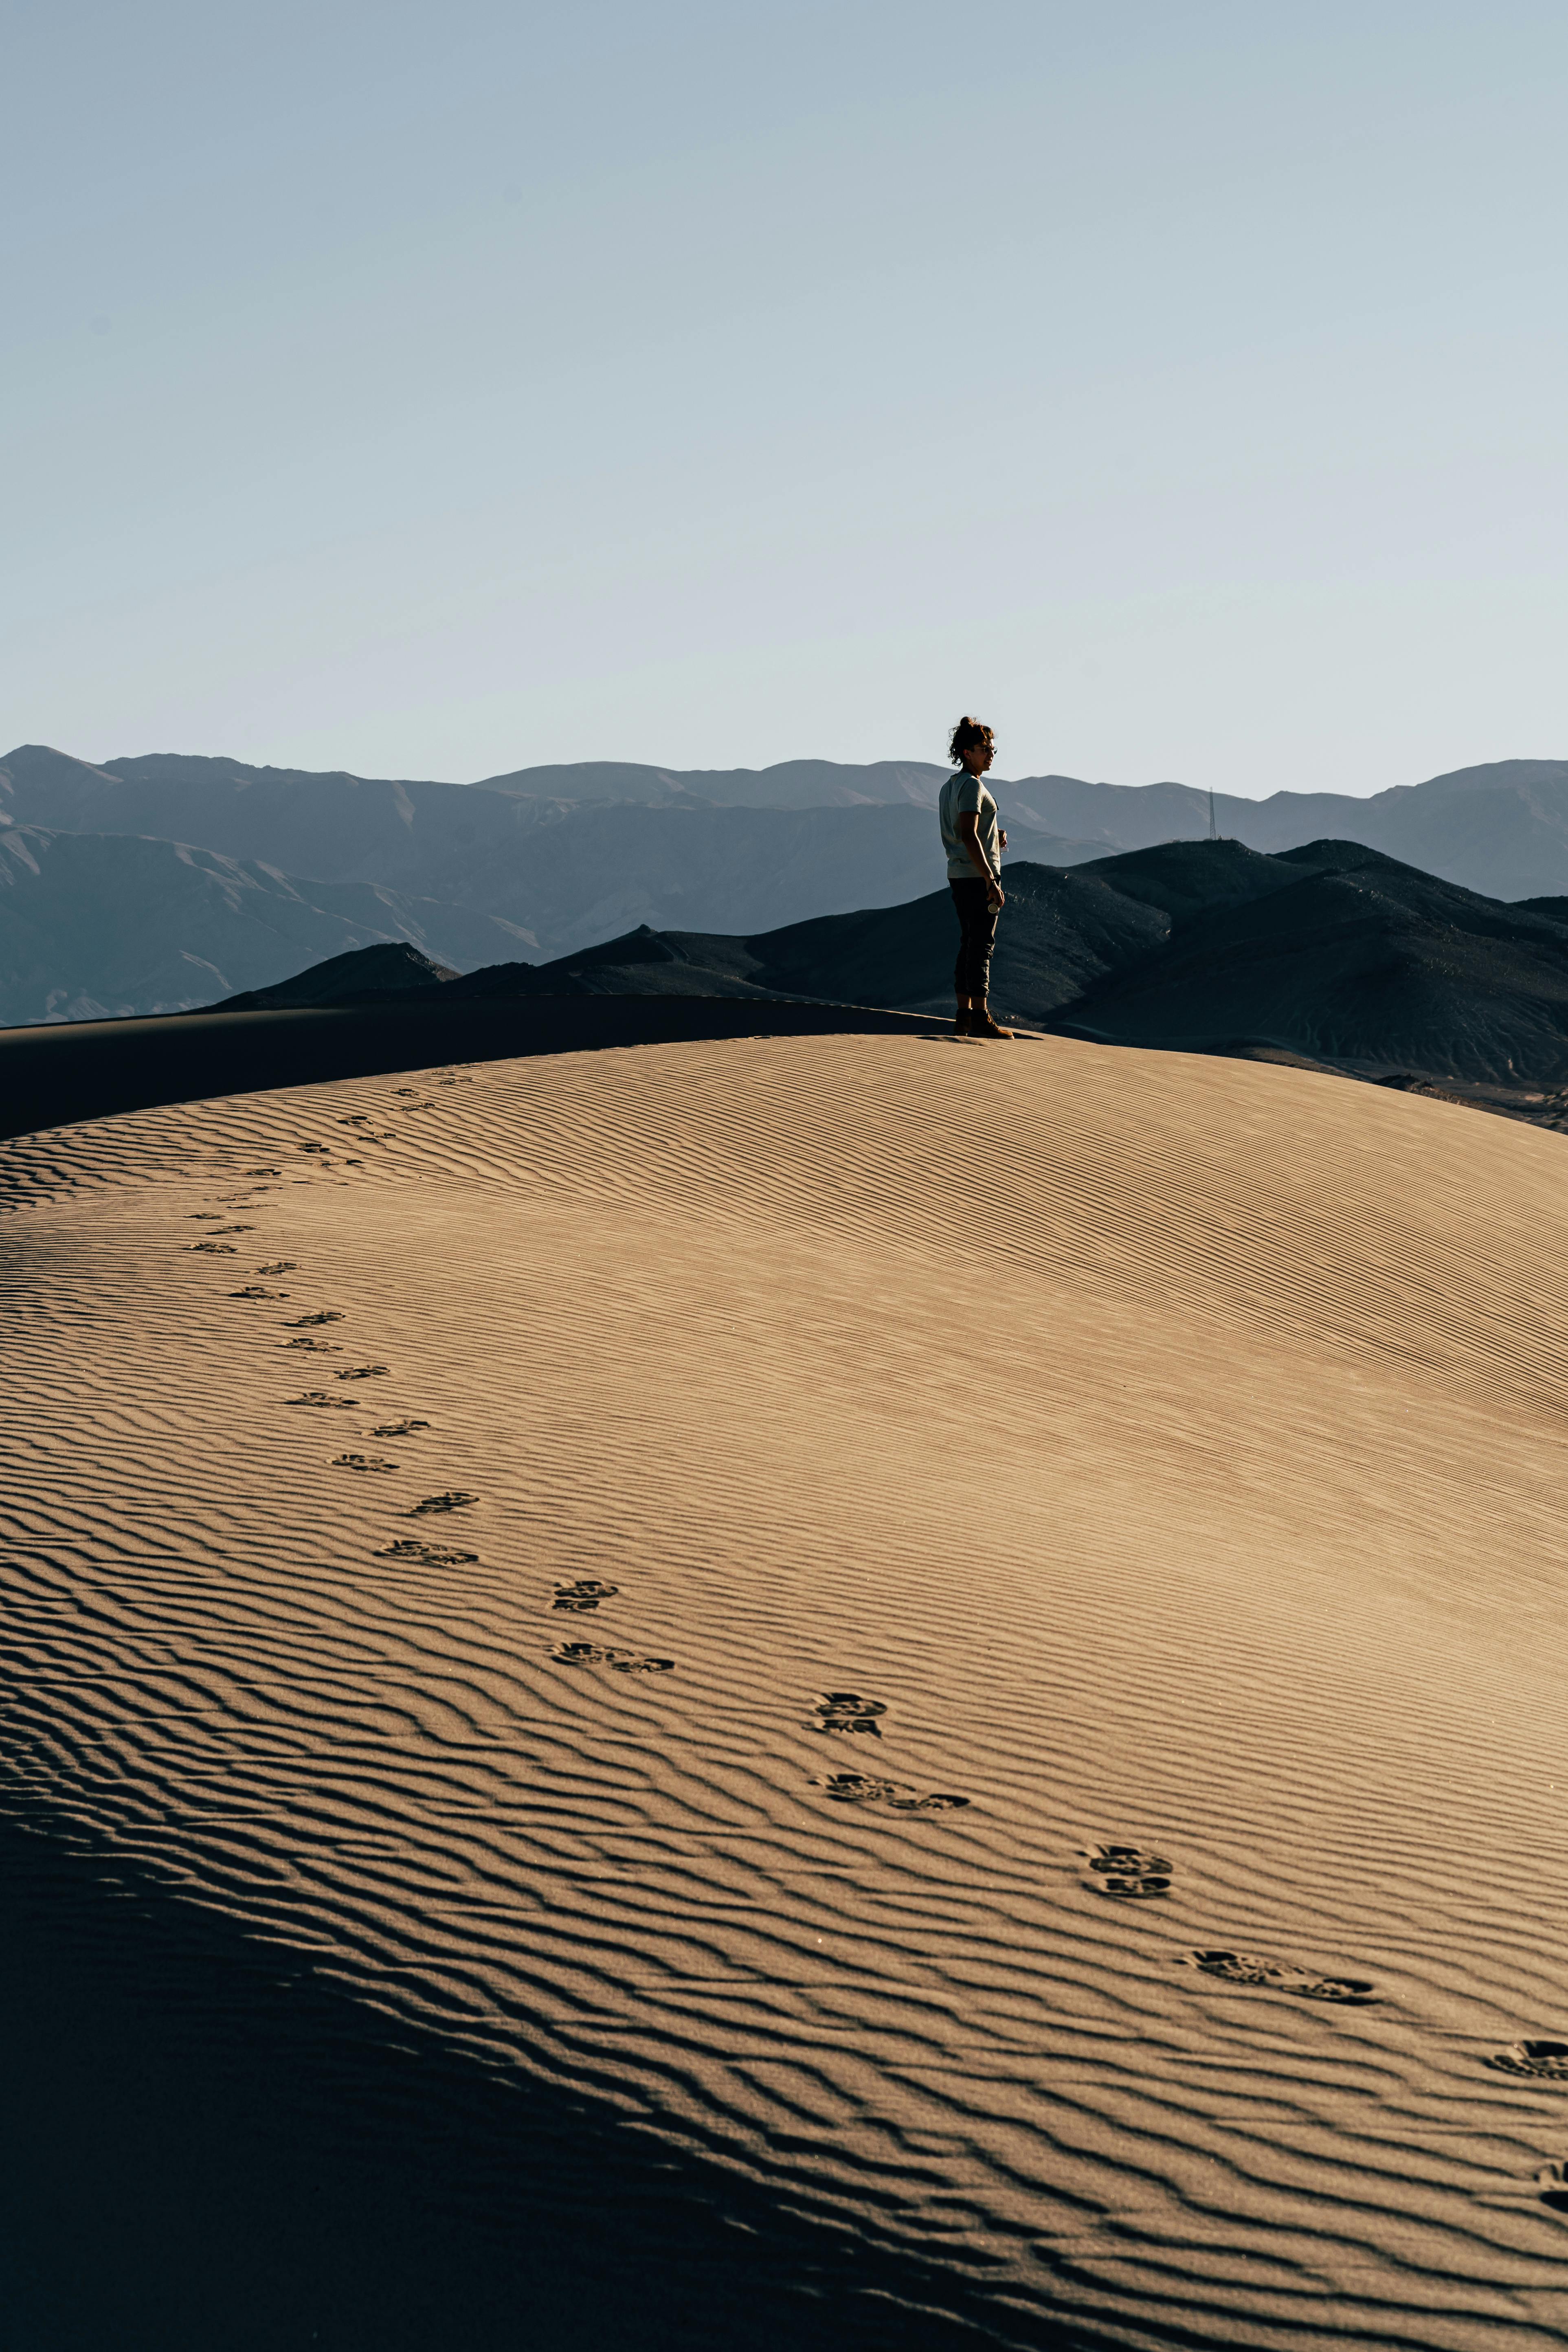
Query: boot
x=961, y=1021
x=982, y=1025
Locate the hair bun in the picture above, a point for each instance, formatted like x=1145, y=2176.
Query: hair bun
x=969, y=734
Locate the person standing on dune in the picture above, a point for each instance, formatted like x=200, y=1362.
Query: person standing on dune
x=973, y=842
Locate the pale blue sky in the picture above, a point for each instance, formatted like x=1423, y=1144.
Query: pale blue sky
x=431, y=391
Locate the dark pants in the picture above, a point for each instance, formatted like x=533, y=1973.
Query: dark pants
x=977, y=925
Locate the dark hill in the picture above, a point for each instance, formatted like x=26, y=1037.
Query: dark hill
x=1064, y=931
x=362, y=975
x=1331, y=953
x=1360, y=961
x=643, y=962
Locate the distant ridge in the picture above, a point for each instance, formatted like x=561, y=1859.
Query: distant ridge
x=98, y=925
x=1500, y=827
x=791, y=783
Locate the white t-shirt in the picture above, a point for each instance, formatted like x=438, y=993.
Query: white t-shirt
x=960, y=794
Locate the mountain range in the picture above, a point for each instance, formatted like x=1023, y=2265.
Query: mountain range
x=158, y=883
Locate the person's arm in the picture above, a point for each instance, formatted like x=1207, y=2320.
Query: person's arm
x=969, y=834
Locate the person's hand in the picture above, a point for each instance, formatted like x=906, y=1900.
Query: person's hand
x=995, y=897
x=1001, y=838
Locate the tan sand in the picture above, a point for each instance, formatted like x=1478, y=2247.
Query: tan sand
x=1171, y=1449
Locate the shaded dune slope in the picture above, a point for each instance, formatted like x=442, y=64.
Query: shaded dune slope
x=87, y=1069
x=1157, y=1453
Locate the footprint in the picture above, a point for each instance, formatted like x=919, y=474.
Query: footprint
x=236, y=1229
x=583, y=1598
x=1242, y=1969
x=261, y=1171
x=356, y=1118
x=455, y=1499
x=1553, y=2182
x=625, y=1662
x=312, y=1147
x=301, y=1322
x=433, y=1555
x=317, y=1346
x=204, y=1217
x=404, y=1090
x=212, y=1249
x=859, y=1788
x=398, y=1428
x=280, y=1265
x=1128, y=1871
x=855, y=1788
x=361, y=1462
x=1545, y=2062
x=320, y=1397
x=847, y=1711
x=353, y=1371
x=257, y=1290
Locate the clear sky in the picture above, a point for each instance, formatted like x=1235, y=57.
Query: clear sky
x=436, y=390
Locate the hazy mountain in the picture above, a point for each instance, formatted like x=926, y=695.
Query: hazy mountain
x=93, y=925
x=1501, y=828
x=560, y=875
x=333, y=828
x=412, y=835
x=1330, y=951
x=793, y=783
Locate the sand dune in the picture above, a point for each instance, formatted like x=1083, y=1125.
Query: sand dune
x=537, y=1549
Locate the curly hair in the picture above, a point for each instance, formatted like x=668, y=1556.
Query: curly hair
x=969, y=735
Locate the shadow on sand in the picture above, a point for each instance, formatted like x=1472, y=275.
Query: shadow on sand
x=69, y=1070
x=203, y=2145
